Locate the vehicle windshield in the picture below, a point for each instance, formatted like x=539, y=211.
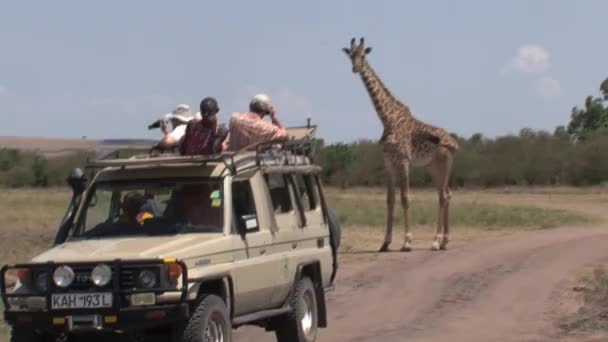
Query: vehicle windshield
x=151, y=208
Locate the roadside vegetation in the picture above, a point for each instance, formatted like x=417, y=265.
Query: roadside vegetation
x=574, y=155
x=592, y=316
x=370, y=210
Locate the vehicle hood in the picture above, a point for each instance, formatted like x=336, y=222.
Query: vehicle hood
x=130, y=248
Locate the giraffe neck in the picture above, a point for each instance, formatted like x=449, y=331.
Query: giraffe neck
x=383, y=100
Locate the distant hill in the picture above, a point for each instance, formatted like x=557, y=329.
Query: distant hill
x=131, y=142
x=56, y=147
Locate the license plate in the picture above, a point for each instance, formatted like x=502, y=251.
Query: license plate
x=81, y=300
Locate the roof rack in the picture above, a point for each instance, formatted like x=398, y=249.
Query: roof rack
x=227, y=158
x=279, y=153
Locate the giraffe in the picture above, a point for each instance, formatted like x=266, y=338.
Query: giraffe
x=407, y=142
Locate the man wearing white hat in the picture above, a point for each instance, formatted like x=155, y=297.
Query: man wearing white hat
x=249, y=129
x=178, y=118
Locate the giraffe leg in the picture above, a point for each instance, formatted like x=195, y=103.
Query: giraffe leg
x=390, y=206
x=440, y=170
x=446, y=221
x=405, y=202
x=447, y=196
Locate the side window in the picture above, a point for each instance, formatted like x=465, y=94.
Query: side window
x=244, y=206
x=279, y=192
x=308, y=192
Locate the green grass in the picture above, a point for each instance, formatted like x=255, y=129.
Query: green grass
x=370, y=211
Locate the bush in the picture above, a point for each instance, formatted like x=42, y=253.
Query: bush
x=28, y=169
x=530, y=158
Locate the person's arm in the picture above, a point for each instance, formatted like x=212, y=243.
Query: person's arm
x=275, y=119
x=182, y=141
x=272, y=131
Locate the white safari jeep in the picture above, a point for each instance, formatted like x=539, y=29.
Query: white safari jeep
x=183, y=248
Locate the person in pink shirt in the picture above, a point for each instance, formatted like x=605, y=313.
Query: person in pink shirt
x=249, y=129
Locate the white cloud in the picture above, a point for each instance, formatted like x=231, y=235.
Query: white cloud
x=548, y=87
x=530, y=58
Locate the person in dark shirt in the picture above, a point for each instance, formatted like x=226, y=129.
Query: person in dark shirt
x=204, y=136
x=126, y=223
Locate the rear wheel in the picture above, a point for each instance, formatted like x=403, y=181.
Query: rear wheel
x=334, y=226
x=335, y=237
x=210, y=322
x=301, y=324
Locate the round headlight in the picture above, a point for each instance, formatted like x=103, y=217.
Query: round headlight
x=63, y=276
x=146, y=279
x=42, y=282
x=101, y=275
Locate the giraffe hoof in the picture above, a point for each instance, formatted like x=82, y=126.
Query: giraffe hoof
x=435, y=246
x=444, y=243
x=384, y=248
x=406, y=249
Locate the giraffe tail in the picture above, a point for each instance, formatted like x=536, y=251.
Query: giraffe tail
x=450, y=144
x=444, y=140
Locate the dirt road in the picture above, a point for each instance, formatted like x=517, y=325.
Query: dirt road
x=504, y=289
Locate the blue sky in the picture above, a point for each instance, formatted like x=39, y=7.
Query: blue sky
x=105, y=70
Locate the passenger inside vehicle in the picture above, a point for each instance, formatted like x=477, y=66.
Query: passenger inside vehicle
x=127, y=222
x=153, y=209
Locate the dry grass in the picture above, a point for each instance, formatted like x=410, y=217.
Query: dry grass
x=29, y=221
x=592, y=315
x=473, y=214
x=363, y=211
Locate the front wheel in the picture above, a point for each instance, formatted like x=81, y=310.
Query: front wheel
x=210, y=322
x=20, y=335
x=301, y=324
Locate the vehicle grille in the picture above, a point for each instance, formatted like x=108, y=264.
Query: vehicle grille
x=82, y=278
x=127, y=278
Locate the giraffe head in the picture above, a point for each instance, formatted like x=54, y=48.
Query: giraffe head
x=357, y=54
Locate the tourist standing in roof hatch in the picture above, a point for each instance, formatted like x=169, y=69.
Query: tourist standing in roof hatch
x=204, y=136
x=249, y=129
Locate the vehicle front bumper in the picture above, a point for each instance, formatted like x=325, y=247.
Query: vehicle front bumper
x=126, y=319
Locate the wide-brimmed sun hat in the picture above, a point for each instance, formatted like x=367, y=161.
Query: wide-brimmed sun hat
x=181, y=113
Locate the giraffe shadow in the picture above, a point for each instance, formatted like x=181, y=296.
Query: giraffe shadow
x=375, y=251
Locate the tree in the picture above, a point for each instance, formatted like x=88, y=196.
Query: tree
x=40, y=170
x=593, y=118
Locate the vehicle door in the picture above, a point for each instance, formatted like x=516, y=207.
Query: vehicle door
x=285, y=213
x=313, y=240
x=255, y=267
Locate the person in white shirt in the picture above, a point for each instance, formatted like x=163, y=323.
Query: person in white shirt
x=178, y=119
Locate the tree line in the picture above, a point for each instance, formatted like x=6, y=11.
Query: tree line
x=29, y=169
x=575, y=154
x=529, y=158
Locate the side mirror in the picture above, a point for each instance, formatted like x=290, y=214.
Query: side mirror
x=77, y=181
x=249, y=223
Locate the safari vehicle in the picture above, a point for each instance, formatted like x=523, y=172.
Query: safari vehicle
x=220, y=242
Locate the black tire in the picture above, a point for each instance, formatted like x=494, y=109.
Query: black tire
x=334, y=227
x=335, y=235
x=210, y=317
x=291, y=327
x=21, y=335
